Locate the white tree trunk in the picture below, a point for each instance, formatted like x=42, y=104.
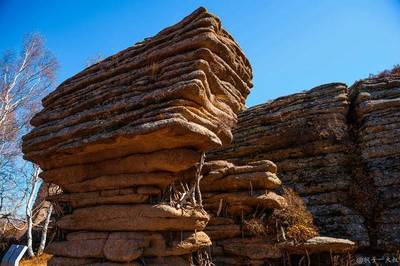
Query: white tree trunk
x=44, y=230
x=34, y=183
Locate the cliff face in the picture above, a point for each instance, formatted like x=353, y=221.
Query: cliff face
x=376, y=115
x=338, y=148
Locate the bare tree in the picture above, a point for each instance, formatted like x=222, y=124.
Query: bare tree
x=44, y=230
x=29, y=213
x=25, y=78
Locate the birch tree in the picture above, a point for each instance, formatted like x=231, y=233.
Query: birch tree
x=25, y=77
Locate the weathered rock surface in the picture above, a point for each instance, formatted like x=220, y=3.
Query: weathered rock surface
x=320, y=244
x=118, y=136
x=307, y=136
x=233, y=192
x=137, y=217
x=338, y=148
x=127, y=246
x=240, y=211
x=376, y=114
x=179, y=88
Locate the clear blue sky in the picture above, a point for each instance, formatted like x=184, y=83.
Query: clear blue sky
x=292, y=45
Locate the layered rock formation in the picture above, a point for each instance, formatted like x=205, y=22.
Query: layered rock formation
x=243, y=221
x=338, y=148
x=307, y=136
x=231, y=195
x=116, y=136
x=376, y=116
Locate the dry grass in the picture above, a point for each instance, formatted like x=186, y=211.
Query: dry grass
x=254, y=226
x=294, y=222
x=395, y=71
x=155, y=71
x=36, y=261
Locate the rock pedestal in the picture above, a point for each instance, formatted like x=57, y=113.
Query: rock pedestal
x=116, y=136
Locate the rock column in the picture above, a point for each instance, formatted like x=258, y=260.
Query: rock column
x=239, y=200
x=376, y=103
x=117, y=137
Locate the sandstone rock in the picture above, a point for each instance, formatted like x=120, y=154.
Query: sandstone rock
x=377, y=117
x=231, y=194
x=253, y=248
x=89, y=248
x=138, y=217
x=319, y=245
x=217, y=232
x=268, y=200
x=256, y=180
x=309, y=138
x=184, y=246
x=79, y=200
x=167, y=160
x=188, y=81
x=159, y=179
x=118, y=136
x=127, y=246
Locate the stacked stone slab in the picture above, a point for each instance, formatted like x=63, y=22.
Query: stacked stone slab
x=117, y=135
x=307, y=136
x=376, y=113
x=231, y=195
x=240, y=200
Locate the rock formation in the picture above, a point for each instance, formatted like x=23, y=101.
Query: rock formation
x=246, y=222
x=117, y=136
x=126, y=138
x=307, y=136
x=336, y=147
x=376, y=118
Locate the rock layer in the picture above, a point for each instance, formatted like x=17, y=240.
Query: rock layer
x=240, y=200
x=376, y=114
x=307, y=136
x=118, y=136
x=231, y=194
x=338, y=148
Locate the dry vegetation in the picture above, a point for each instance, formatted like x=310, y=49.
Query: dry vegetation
x=254, y=226
x=395, y=71
x=36, y=261
x=294, y=222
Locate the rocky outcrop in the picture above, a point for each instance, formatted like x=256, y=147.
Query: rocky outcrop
x=307, y=136
x=118, y=136
x=241, y=201
x=338, y=148
x=231, y=195
x=376, y=116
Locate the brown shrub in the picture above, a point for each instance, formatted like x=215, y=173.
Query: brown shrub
x=294, y=222
x=40, y=260
x=395, y=71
